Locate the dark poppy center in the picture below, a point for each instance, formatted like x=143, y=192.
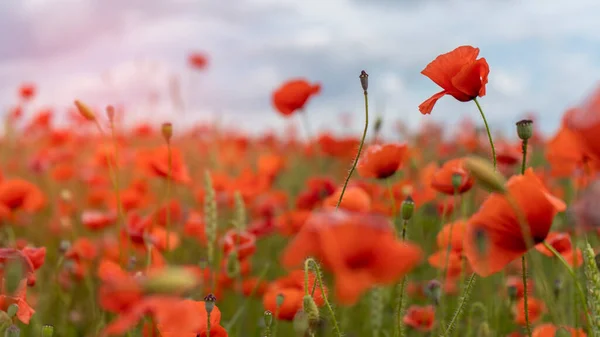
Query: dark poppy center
x=360, y=260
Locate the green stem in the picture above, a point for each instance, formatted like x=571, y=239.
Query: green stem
x=482, y=308
x=393, y=201
x=461, y=306
x=317, y=270
x=362, y=142
x=399, y=329
x=523, y=259
x=242, y=308
x=169, y=182
x=575, y=281
x=487, y=129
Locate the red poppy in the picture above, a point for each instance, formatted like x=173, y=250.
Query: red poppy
x=494, y=237
x=550, y=330
x=382, y=161
x=19, y=194
x=197, y=60
x=420, y=318
x=535, y=309
x=360, y=249
x=293, y=95
x=243, y=243
x=355, y=199
x=452, y=178
x=508, y=154
x=561, y=242
x=291, y=287
x=27, y=91
x=459, y=73
x=584, y=121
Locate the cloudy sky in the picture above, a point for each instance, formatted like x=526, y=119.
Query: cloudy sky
x=544, y=55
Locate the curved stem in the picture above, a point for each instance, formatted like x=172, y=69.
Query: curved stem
x=575, y=280
x=362, y=142
x=317, y=270
x=487, y=128
x=461, y=306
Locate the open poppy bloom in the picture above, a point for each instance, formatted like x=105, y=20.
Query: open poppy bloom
x=550, y=330
x=561, y=242
x=508, y=154
x=459, y=73
x=420, y=318
x=291, y=287
x=361, y=250
x=449, y=256
x=355, y=199
x=155, y=163
x=452, y=178
x=565, y=153
x=584, y=121
x=19, y=194
x=293, y=95
x=535, y=309
x=243, y=243
x=381, y=161
x=494, y=236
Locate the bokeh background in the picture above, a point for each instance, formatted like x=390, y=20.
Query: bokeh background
x=544, y=56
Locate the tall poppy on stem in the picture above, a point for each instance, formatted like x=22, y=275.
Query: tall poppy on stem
x=462, y=76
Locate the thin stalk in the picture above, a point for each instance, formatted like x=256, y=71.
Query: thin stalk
x=523, y=258
x=317, y=270
x=461, y=305
x=399, y=327
x=575, y=281
x=362, y=142
x=242, y=308
x=393, y=201
x=168, y=197
x=487, y=129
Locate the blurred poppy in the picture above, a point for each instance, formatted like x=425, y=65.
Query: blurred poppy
x=293, y=95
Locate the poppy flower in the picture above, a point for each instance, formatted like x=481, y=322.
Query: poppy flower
x=381, y=161
x=293, y=95
x=18, y=194
x=420, y=318
x=27, y=91
x=459, y=73
x=291, y=287
x=24, y=311
x=361, y=250
x=243, y=243
x=565, y=153
x=550, y=330
x=561, y=242
x=156, y=163
x=449, y=256
x=355, y=199
x=98, y=220
x=197, y=60
x=493, y=235
x=290, y=223
x=535, y=309
x=452, y=178
x=584, y=121
x=516, y=283
x=508, y=154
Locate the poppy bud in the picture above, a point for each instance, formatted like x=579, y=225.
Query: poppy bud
x=209, y=303
x=433, y=290
x=5, y=321
x=167, y=131
x=486, y=175
x=12, y=331
x=268, y=317
x=85, y=111
x=279, y=300
x=110, y=113
x=378, y=124
x=47, y=331
x=525, y=129
x=310, y=309
x=12, y=310
x=170, y=280
x=407, y=208
x=301, y=323
x=558, y=285
x=364, y=80
x=13, y=274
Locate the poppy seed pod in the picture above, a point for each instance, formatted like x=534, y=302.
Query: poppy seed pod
x=47, y=331
x=364, y=80
x=12, y=331
x=525, y=129
x=209, y=303
x=483, y=171
x=268, y=318
x=167, y=131
x=310, y=309
x=85, y=111
x=407, y=208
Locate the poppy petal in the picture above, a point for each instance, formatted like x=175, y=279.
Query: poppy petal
x=426, y=107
